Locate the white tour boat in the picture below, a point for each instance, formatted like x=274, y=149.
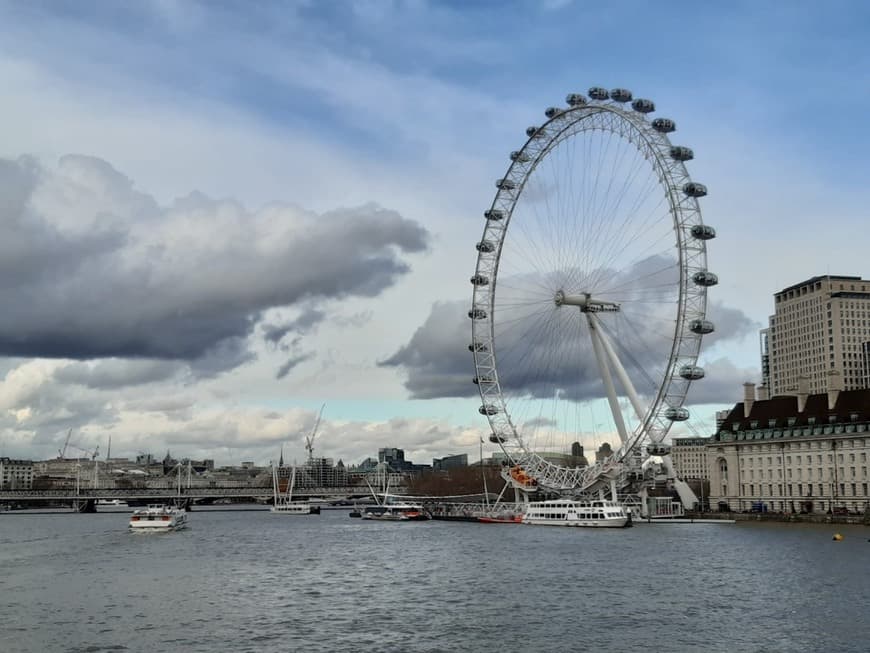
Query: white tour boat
x=565, y=512
x=283, y=500
x=396, y=512
x=111, y=503
x=158, y=518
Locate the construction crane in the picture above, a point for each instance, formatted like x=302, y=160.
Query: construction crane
x=309, y=439
x=92, y=454
x=61, y=453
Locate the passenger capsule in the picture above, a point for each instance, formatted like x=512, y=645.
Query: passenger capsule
x=505, y=184
x=701, y=327
x=521, y=157
x=677, y=414
x=485, y=380
x=664, y=125
x=620, y=95
x=485, y=246
x=487, y=409
x=477, y=314
x=658, y=449
x=643, y=106
x=703, y=232
x=705, y=278
x=479, y=280
x=552, y=112
x=497, y=438
x=478, y=347
x=576, y=100
x=493, y=214
x=692, y=372
x=531, y=131
x=682, y=153
x=598, y=93
x=694, y=189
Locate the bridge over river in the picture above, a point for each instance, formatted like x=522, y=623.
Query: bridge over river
x=85, y=500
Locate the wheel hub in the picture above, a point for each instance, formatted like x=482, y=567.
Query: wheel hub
x=585, y=302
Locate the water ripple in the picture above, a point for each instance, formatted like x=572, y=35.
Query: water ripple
x=251, y=581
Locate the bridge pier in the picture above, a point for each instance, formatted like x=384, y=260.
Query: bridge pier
x=85, y=505
x=180, y=502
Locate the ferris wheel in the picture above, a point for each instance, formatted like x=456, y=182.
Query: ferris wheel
x=590, y=293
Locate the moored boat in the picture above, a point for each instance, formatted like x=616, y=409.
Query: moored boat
x=396, y=512
x=158, y=518
x=111, y=503
x=283, y=501
x=501, y=519
x=565, y=512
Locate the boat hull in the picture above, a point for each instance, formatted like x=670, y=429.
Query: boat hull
x=158, y=519
x=515, y=519
x=621, y=522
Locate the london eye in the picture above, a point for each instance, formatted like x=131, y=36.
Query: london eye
x=590, y=293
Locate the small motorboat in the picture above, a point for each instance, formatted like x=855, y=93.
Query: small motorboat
x=158, y=519
x=396, y=512
x=501, y=519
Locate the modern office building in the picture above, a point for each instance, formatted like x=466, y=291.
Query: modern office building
x=805, y=452
x=16, y=474
x=689, y=456
x=818, y=325
x=395, y=458
x=450, y=462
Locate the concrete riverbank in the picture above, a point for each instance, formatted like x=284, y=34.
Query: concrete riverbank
x=785, y=517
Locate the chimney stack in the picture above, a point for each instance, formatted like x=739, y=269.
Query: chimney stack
x=803, y=392
x=763, y=393
x=748, y=398
x=835, y=386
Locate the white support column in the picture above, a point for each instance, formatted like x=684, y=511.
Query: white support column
x=621, y=373
x=608, y=380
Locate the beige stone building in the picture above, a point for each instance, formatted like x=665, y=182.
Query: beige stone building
x=818, y=325
x=806, y=452
x=689, y=456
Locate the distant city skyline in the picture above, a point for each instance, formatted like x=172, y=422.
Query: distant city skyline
x=218, y=217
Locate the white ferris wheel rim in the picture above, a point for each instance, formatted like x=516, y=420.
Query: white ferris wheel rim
x=651, y=141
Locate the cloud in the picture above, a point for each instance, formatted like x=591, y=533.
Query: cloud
x=303, y=324
x=39, y=405
x=114, y=373
x=292, y=362
x=92, y=268
x=722, y=384
x=543, y=350
x=731, y=324
x=436, y=360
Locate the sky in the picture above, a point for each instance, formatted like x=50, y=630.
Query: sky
x=219, y=216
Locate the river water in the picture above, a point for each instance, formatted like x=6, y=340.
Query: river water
x=242, y=580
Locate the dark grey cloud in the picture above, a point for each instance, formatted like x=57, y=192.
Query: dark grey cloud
x=544, y=351
x=731, y=323
x=436, y=360
x=113, y=373
x=303, y=324
x=723, y=383
x=91, y=268
x=292, y=362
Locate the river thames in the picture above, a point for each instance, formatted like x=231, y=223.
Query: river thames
x=241, y=580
